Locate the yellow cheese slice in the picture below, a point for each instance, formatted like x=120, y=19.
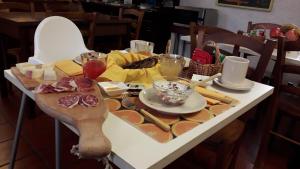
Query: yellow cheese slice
x=69, y=67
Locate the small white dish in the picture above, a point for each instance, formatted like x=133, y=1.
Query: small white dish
x=245, y=85
x=113, y=88
x=193, y=104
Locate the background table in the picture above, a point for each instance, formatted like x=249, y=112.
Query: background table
x=133, y=149
x=22, y=25
x=291, y=57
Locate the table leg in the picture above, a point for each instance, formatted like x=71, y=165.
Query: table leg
x=57, y=144
x=268, y=123
x=3, y=66
x=17, y=133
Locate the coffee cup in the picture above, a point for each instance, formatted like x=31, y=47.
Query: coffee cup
x=234, y=70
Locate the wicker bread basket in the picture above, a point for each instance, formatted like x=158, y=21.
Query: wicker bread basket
x=206, y=69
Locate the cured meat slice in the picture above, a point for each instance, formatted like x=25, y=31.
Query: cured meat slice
x=65, y=84
x=155, y=132
x=69, y=101
x=84, y=84
x=88, y=100
x=45, y=88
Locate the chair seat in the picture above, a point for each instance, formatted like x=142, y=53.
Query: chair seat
x=289, y=105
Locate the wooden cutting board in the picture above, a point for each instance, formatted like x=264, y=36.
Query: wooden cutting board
x=87, y=120
x=27, y=82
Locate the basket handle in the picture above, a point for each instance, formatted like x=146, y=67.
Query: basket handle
x=213, y=44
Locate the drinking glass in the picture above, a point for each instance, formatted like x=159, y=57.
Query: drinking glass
x=93, y=64
x=171, y=65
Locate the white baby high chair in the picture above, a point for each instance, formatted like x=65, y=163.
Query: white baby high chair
x=57, y=38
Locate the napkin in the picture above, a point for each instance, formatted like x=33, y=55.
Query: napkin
x=115, y=72
x=69, y=67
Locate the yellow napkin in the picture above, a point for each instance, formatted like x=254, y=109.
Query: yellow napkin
x=115, y=72
x=69, y=67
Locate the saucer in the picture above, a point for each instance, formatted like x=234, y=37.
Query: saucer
x=246, y=85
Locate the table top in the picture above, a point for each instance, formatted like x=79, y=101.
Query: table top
x=27, y=19
x=292, y=57
x=133, y=149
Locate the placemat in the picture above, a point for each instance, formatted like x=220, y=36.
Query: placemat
x=179, y=124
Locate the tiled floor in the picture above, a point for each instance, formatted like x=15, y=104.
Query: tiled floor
x=36, y=149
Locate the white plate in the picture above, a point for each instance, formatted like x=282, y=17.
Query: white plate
x=193, y=104
x=246, y=85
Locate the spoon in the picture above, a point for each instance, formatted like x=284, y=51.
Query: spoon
x=203, y=82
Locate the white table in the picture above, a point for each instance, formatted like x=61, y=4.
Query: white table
x=291, y=57
x=134, y=149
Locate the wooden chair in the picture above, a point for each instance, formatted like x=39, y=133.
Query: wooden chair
x=252, y=26
x=225, y=143
x=238, y=40
x=284, y=101
x=17, y=7
x=137, y=18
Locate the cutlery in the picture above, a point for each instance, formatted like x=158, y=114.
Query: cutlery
x=203, y=82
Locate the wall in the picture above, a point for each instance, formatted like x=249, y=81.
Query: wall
x=284, y=11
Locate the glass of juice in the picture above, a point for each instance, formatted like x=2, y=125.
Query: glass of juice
x=93, y=64
x=171, y=65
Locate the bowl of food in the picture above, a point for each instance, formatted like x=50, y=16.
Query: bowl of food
x=172, y=92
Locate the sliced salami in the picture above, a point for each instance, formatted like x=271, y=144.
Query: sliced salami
x=88, y=100
x=45, y=88
x=66, y=84
x=84, y=84
x=69, y=101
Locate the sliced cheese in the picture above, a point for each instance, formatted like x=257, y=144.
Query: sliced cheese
x=25, y=64
x=49, y=74
x=24, y=69
x=69, y=67
x=37, y=73
x=32, y=72
x=49, y=65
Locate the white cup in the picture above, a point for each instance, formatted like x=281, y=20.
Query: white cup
x=141, y=46
x=234, y=70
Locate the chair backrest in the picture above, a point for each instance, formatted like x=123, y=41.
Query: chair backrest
x=57, y=38
x=252, y=26
x=17, y=7
x=281, y=68
x=62, y=6
x=137, y=18
x=238, y=40
x=87, y=23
